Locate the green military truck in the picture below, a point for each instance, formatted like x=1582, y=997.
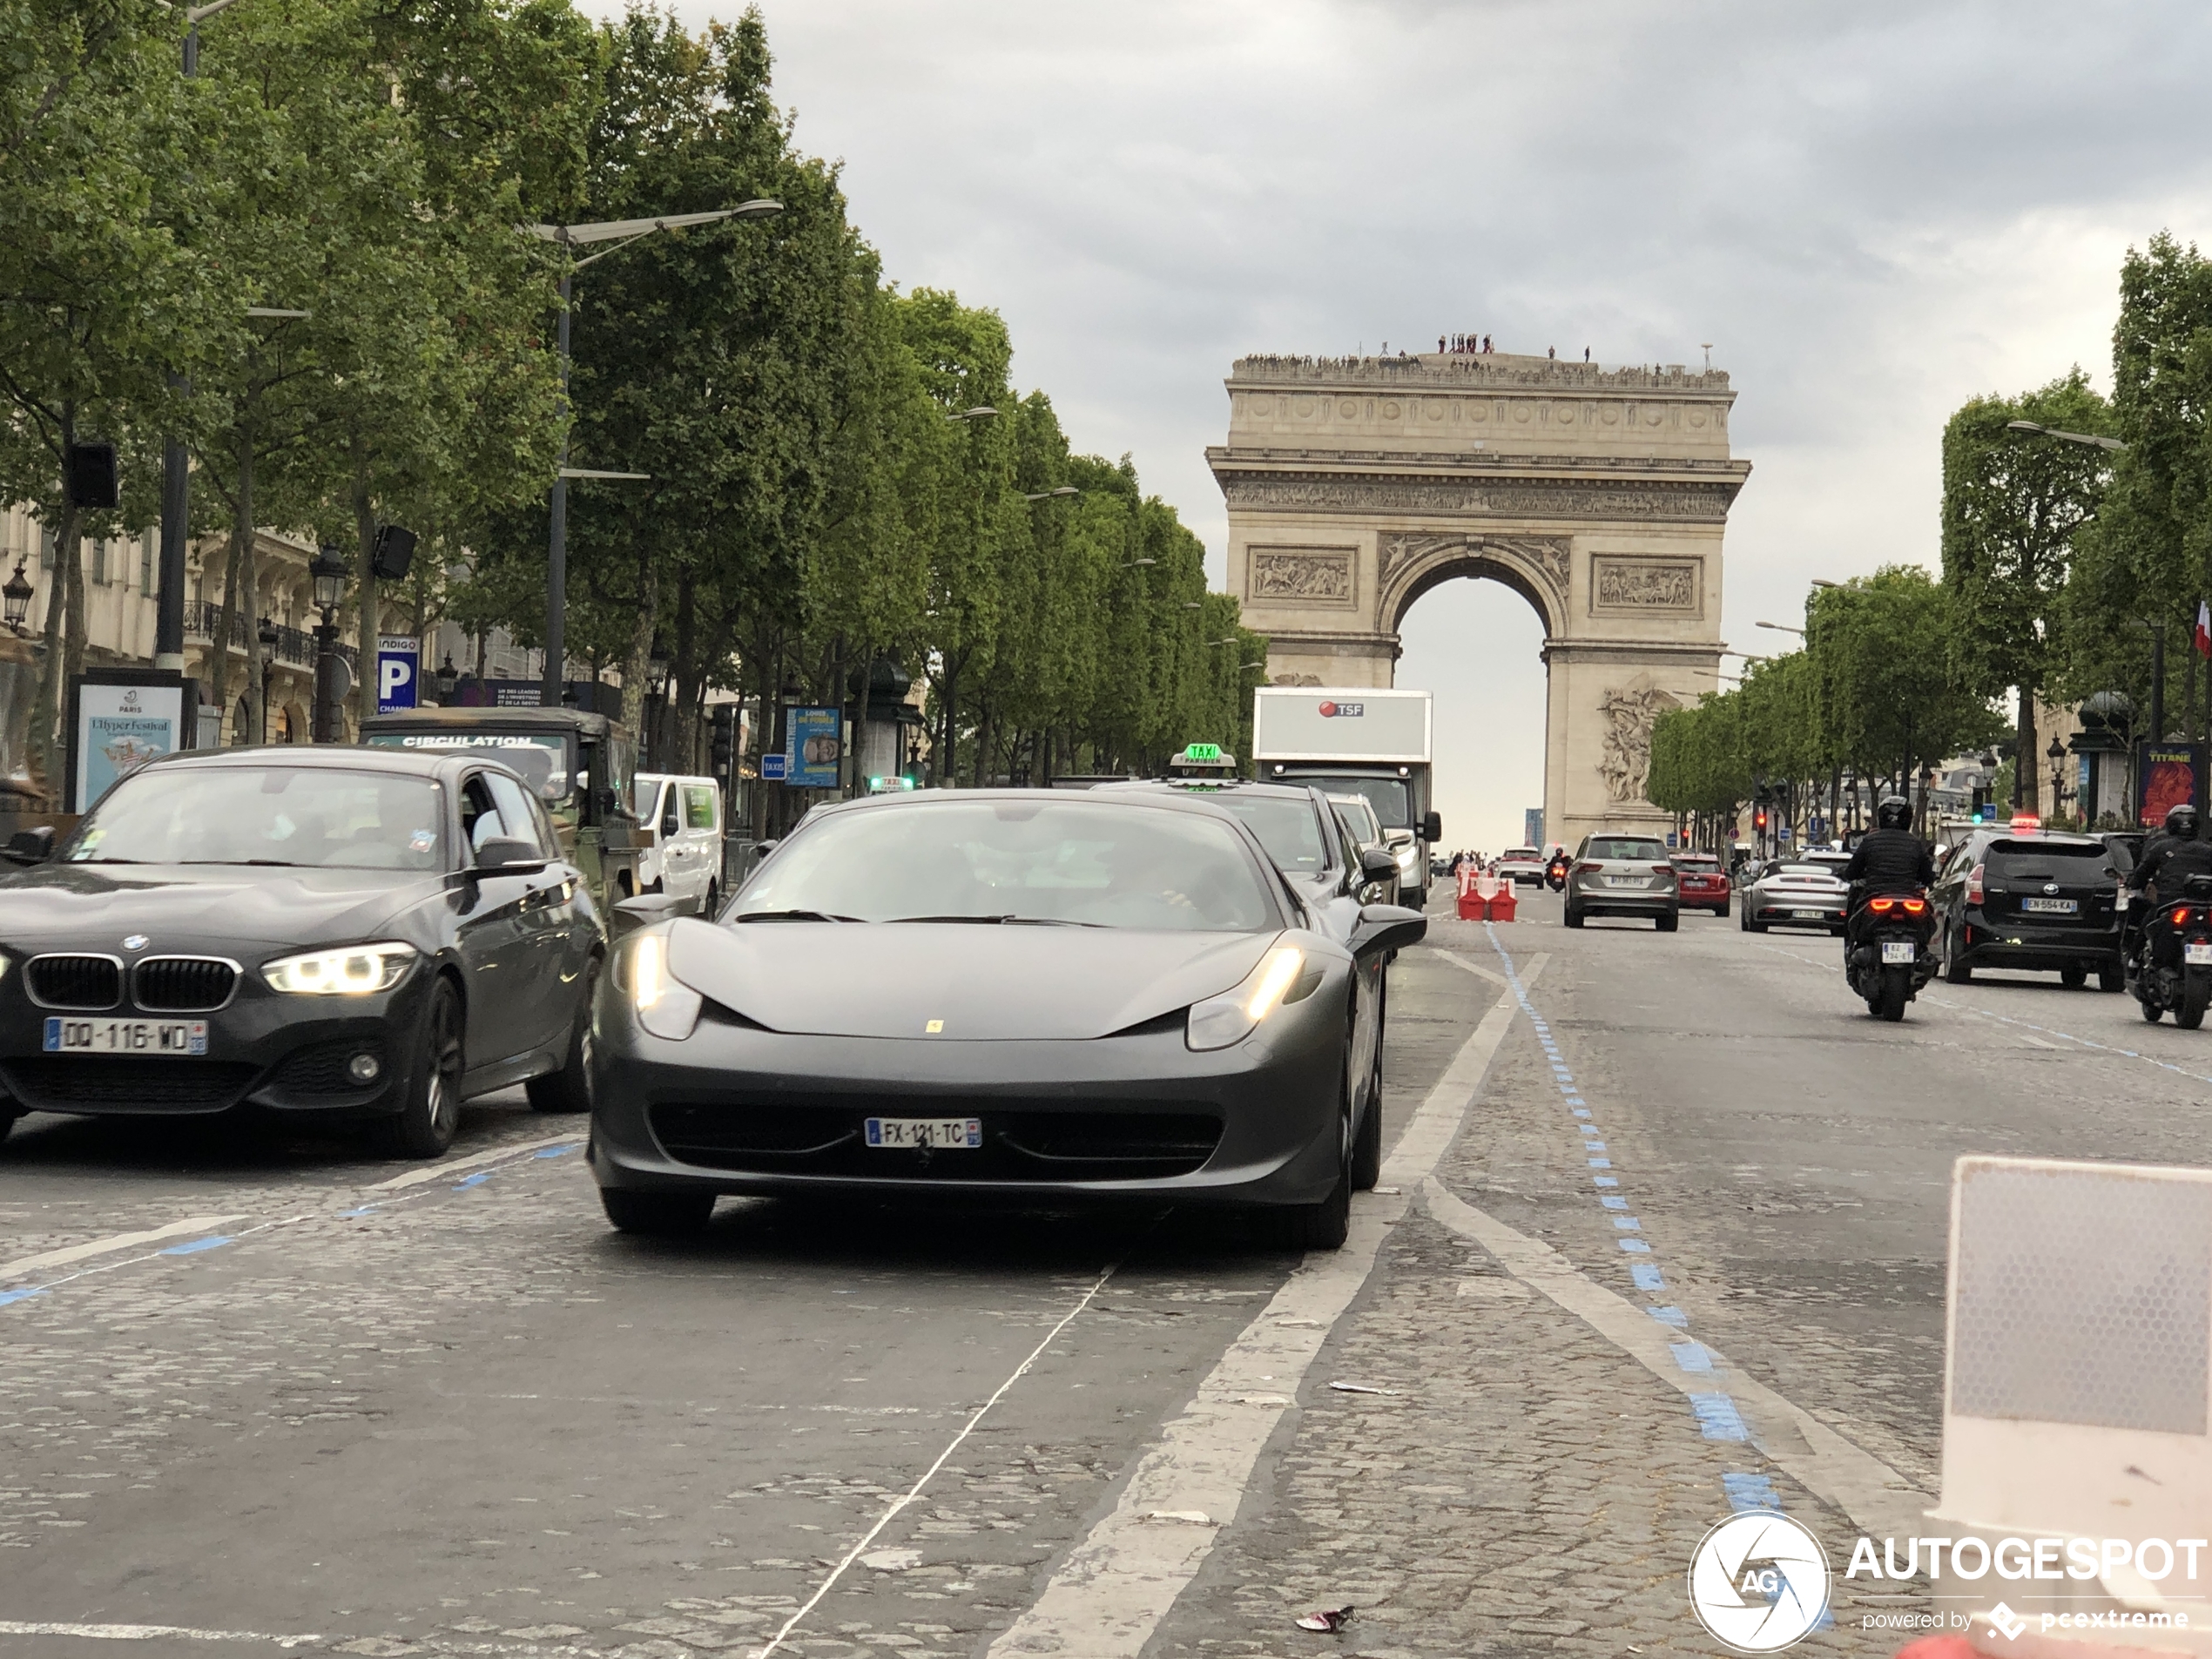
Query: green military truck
x=580, y=764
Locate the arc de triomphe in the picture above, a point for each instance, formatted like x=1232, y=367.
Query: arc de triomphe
x=1356, y=484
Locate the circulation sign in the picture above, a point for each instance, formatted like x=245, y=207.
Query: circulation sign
x=399, y=666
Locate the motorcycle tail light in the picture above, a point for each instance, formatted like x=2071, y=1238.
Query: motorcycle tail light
x=1881, y=906
x=2180, y=917
x=1914, y=907
x=1974, y=895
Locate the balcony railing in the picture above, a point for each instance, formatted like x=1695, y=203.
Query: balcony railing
x=295, y=645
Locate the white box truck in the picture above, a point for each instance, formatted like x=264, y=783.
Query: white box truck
x=1357, y=740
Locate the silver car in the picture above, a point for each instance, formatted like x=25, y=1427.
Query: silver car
x=1624, y=875
x=1795, y=893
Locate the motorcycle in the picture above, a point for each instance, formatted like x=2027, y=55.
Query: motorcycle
x=1555, y=873
x=1891, y=956
x=2171, y=966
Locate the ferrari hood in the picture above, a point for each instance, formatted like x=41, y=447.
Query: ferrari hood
x=972, y=981
x=188, y=906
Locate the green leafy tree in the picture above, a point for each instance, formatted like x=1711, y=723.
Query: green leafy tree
x=2015, y=505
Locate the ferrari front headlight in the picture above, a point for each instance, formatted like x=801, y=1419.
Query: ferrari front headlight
x=352, y=970
x=1232, y=1017
x=666, y=1006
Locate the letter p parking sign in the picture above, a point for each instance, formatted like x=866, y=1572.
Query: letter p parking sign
x=398, y=662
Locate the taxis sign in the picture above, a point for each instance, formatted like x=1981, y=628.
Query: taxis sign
x=1202, y=755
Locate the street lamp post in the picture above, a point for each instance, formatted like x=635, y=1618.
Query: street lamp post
x=2056, y=754
x=1782, y=628
x=2035, y=429
x=621, y=232
x=176, y=470
x=265, y=637
x=16, y=598
x=328, y=572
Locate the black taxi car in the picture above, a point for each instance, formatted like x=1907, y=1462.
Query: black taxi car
x=2031, y=899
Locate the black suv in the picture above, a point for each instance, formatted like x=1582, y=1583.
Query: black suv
x=2006, y=899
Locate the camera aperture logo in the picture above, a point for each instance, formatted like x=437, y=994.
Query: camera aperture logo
x=1758, y=1582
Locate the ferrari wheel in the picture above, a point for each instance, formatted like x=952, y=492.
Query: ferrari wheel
x=1324, y=1225
x=426, y=1125
x=570, y=1088
x=1366, y=1146
x=661, y=1214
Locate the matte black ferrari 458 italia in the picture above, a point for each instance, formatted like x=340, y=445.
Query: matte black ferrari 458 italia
x=346, y=932
x=1017, y=993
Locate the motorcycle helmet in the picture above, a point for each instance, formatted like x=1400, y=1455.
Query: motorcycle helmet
x=1894, y=812
x=2181, y=822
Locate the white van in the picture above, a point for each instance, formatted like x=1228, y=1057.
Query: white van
x=680, y=828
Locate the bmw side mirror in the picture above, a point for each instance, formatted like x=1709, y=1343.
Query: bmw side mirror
x=1387, y=927
x=1432, y=827
x=30, y=846
x=510, y=855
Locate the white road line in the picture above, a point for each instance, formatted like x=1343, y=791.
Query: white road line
x=440, y=1171
x=1458, y=961
x=1878, y=1498
x=24, y=1264
x=1108, y=1595
x=953, y=1445
x=146, y=1633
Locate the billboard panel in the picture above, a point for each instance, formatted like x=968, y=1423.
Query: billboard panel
x=1356, y=722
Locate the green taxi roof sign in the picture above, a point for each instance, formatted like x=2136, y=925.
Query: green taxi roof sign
x=1202, y=753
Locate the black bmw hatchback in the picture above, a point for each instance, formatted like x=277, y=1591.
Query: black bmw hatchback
x=345, y=933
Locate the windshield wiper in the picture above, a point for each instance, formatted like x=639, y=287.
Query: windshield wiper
x=792, y=915
x=1009, y=920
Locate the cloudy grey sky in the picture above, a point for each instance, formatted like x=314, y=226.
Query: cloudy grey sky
x=1873, y=210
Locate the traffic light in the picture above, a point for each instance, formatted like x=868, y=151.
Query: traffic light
x=1758, y=820
x=724, y=738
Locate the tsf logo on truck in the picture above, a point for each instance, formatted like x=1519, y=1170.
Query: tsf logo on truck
x=1343, y=711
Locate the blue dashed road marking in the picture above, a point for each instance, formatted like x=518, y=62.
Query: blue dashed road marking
x=1748, y=1493
x=1718, y=1416
x=1693, y=1357
x=195, y=1245
x=476, y=1180
x=23, y=1295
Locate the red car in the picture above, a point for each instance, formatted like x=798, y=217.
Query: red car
x=1702, y=881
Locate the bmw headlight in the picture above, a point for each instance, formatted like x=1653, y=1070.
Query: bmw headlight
x=666, y=1006
x=352, y=970
x=1232, y=1017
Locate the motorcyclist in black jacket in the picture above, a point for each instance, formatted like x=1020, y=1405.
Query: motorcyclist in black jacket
x=2168, y=860
x=1890, y=857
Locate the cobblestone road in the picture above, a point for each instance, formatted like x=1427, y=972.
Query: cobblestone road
x=1689, y=1235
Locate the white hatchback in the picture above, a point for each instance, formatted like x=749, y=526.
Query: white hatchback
x=679, y=826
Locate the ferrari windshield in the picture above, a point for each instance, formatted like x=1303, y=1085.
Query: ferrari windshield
x=319, y=817
x=1002, y=862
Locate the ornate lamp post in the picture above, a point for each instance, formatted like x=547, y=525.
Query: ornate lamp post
x=267, y=636
x=15, y=599
x=328, y=572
